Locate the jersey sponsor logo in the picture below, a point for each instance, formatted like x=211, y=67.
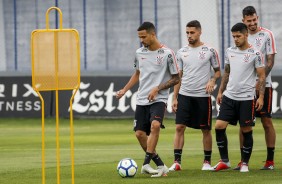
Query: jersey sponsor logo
x=261, y=34
x=202, y=55
x=251, y=50
x=160, y=51
x=144, y=50
x=184, y=50
x=205, y=48
x=246, y=57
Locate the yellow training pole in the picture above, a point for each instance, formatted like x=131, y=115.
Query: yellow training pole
x=55, y=56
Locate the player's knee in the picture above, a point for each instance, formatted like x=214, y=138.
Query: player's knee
x=140, y=134
x=155, y=126
x=180, y=128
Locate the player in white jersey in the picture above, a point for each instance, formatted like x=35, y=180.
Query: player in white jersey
x=156, y=71
x=264, y=41
x=191, y=99
x=236, y=95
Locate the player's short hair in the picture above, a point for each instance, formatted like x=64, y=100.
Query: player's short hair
x=194, y=23
x=249, y=10
x=148, y=26
x=241, y=27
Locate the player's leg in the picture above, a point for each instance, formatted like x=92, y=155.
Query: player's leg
x=227, y=115
x=270, y=139
x=178, y=146
x=241, y=149
x=269, y=130
x=207, y=145
x=247, y=121
x=202, y=116
x=142, y=130
x=181, y=120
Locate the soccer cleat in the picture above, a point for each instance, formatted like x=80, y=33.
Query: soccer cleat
x=238, y=166
x=175, y=166
x=162, y=171
x=147, y=169
x=207, y=166
x=244, y=167
x=269, y=165
x=221, y=166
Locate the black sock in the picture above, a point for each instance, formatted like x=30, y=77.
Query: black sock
x=148, y=158
x=177, y=155
x=222, y=144
x=208, y=155
x=241, y=149
x=270, y=153
x=158, y=161
x=247, y=146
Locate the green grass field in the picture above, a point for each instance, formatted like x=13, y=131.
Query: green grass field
x=100, y=144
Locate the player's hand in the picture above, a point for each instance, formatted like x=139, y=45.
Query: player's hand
x=219, y=98
x=153, y=93
x=210, y=86
x=120, y=93
x=259, y=103
x=174, y=105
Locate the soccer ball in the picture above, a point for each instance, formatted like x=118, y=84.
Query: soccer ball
x=127, y=167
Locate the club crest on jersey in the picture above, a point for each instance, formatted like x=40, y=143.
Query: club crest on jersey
x=202, y=55
x=258, y=42
x=159, y=60
x=246, y=57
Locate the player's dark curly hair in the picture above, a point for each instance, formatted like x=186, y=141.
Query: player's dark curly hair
x=241, y=27
x=194, y=23
x=148, y=26
x=249, y=10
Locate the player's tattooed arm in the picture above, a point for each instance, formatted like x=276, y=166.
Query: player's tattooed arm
x=269, y=64
x=261, y=81
x=175, y=79
x=225, y=78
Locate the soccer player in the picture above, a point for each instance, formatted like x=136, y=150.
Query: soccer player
x=263, y=40
x=191, y=99
x=236, y=95
x=156, y=71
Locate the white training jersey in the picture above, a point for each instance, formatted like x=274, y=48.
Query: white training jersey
x=196, y=64
x=156, y=67
x=264, y=41
x=242, y=78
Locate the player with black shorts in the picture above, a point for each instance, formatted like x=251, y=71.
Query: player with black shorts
x=191, y=99
x=262, y=39
x=156, y=71
x=236, y=95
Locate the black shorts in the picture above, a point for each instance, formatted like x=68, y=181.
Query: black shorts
x=194, y=112
x=267, y=105
x=144, y=115
x=234, y=110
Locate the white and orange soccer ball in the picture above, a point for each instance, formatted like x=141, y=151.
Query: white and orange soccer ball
x=127, y=167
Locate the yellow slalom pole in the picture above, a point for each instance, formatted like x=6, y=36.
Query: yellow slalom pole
x=42, y=137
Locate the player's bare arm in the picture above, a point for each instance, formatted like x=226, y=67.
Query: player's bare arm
x=223, y=83
x=269, y=64
x=211, y=84
x=173, y=81
x=261, y=87
x=175, y=93
x=132, y=81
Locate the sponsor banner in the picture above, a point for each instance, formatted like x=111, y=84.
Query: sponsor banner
x=95, y=98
